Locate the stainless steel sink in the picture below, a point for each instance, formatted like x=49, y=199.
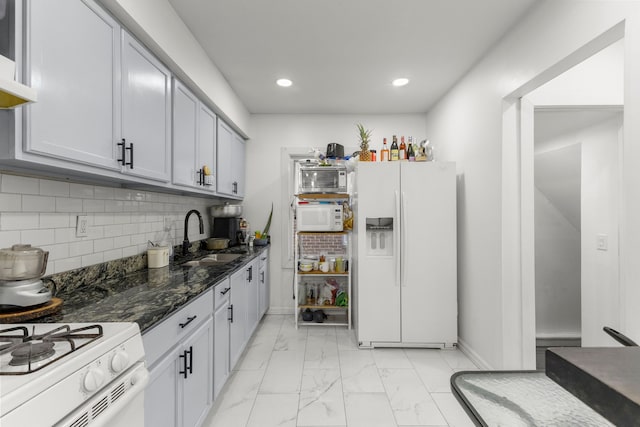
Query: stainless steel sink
x=213, y=259
x=222, y=257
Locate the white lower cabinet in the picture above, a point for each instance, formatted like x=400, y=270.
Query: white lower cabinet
x=253, y=289
x=191, y=354
x=244, y=308
x=238, y=315
x=180, y=358
x=196, y=372
x=222, y=323
x=264, y=297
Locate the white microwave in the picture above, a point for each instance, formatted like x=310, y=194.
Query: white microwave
x=313, y=178
x=318, y=217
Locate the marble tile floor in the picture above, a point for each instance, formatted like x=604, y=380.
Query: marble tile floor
x=317, y=377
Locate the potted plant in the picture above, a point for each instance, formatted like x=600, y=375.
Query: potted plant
x=365, y=136
x=262, y=238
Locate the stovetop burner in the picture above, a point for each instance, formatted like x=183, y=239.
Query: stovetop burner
x=31, y=352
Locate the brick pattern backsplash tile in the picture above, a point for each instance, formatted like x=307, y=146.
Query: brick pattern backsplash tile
x=323, y=243
x=43, y=212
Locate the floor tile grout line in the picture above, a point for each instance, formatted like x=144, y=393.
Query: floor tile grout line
x=334, y=342
x=253, y=405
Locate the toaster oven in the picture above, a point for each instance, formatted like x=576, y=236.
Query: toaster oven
x=313, y=178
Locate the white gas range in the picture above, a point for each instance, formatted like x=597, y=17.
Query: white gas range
x=76, y=375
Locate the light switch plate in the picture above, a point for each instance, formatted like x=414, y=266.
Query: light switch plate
x=602, y=242
x=82, y=226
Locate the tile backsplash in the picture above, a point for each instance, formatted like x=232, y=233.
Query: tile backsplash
x=43, y=213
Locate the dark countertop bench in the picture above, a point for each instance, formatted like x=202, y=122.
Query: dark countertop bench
x=145, y=296
x=605, y=378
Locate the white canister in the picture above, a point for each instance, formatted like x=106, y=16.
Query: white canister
x=158, y=256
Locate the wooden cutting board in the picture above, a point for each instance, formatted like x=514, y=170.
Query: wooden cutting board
x=29, y=313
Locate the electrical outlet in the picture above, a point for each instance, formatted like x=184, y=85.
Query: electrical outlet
x=82, y=226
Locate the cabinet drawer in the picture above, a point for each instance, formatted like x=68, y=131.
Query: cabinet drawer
x=221, y=293
x=167, y=334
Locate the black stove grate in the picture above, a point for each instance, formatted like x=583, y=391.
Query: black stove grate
x=27, y=349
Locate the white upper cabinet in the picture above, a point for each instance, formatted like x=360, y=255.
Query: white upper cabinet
x=74, y=64
x=206, y=147
x=146, y=113
x=105, y=106
x=230, y=162
x=103, y=99
x=194, y=140
x=238, y=160
x=185, y=113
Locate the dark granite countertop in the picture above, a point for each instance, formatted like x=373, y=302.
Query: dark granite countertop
x=145, y=296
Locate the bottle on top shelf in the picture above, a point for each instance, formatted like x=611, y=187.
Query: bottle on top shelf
x=402, y=151
x=384, y=153
x=395, y=155
x=411, y=154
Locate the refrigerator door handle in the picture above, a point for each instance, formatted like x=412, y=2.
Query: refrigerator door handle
x=396, y=238
x=403, y=237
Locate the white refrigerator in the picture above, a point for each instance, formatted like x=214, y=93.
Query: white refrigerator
x=405, y=267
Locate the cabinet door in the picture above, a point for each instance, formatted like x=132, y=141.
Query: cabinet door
x=206, y=143
x=253, y=288
x=264, y=294
x=221, y=348
x=237, y=334
x=74, y=63
x=146, y=112
x=238, y=162
x=185, y=112
x=225, y=167
x=197, y=393
x=160, y=395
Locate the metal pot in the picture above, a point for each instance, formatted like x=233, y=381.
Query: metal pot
x=21, y=262
x=216, y=243
x=226, y=211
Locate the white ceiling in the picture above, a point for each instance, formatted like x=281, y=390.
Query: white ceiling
x=343, y=54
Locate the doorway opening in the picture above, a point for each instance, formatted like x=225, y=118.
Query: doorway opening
x=576, y=199
x=569, y=299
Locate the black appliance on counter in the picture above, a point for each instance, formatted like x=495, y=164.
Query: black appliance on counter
x=229, y=228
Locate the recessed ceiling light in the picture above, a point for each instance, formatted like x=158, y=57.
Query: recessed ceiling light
x=284, y=82
x=400, y=82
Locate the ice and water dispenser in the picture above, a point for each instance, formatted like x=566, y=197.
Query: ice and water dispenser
x=379, y=236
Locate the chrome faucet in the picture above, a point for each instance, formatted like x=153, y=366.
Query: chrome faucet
x=185, y=242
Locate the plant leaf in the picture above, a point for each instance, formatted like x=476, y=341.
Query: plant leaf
x=266, y=228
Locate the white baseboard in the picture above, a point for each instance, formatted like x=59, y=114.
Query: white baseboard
x=558, y=342
x=475, y=358
x=280, y=310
